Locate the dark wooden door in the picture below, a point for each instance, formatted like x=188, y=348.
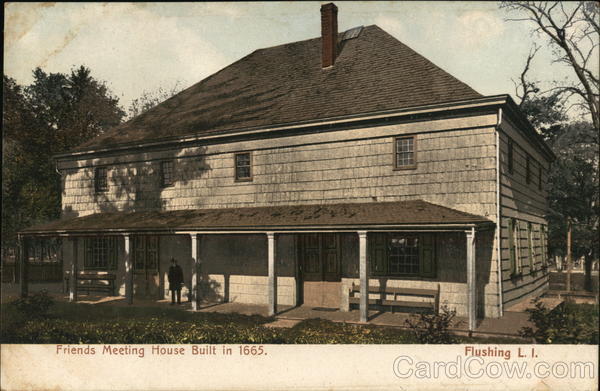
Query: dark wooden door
x=320, y=257
x=330, y=257
x=145, y=266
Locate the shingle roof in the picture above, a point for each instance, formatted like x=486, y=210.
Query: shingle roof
x=351, y=215
x=286, y=84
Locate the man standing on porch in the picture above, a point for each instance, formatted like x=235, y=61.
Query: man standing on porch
x=175, y=281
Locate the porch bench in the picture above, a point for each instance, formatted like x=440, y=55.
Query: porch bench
x=93, y=282
x=384, y=292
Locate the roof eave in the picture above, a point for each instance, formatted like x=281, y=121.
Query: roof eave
x=477, y=103
x=426, y=227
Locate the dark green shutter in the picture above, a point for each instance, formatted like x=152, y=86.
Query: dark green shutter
x=530, y=259
x=377, y=253
x=427, y=255
x=511, y=246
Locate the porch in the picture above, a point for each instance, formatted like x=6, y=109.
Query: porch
x=404, y=225
x=287, y=316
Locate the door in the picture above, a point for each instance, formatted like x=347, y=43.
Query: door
x=319, y=260
x=145, y=266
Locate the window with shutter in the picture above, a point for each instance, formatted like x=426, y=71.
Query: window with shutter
x=100, y=253
x=512, y=246
x=397, y=254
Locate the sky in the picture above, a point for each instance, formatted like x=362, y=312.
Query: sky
x=138, y=47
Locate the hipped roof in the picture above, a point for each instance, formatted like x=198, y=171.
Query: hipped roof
x=375, y=215
x=287, y=84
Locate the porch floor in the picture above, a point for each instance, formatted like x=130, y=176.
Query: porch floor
x=509, y=325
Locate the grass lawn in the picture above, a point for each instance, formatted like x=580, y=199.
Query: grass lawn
x=70, y=323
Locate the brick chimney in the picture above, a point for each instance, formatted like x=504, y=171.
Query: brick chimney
x=329, y=32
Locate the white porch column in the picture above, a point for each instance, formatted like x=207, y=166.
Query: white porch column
x=23, y=269
x=74, y=271
x=128, y=269
x=272, y=274
x=364, y=276
x=195, y=288
x=471, y=280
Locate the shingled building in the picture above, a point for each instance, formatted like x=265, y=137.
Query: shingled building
x=336, y=171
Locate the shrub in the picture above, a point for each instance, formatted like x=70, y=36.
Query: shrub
x=319, y=331
x=433, y=328
x=567, y=323
x=34, y=306
x=134, y=331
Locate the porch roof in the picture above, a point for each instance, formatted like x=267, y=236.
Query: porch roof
x=415, y=214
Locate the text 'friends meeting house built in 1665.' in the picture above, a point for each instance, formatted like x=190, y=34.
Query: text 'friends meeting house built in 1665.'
x=345, y=171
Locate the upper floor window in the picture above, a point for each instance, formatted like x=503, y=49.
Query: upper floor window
x=243, y=166
x=510, y=156
x=540, y=177
x=166, y=173
x=405, y=153
x=101, y=179
x=528, y=170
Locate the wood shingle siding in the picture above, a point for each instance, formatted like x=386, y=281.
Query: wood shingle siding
x=527, y=204
x=456, y=168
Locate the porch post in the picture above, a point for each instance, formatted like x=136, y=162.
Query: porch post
x=23, y=263
x=471, y=280
x=73, y=276
x=195, y=288
x=128, y=269
x=364, y=276
x=272, y=274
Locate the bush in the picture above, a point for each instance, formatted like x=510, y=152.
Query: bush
x=433, y=328
x=319, y=331
x=164, y=331
x=35, y=306
x=568, y=323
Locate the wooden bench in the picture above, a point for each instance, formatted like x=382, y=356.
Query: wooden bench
x=384, y=292
x=93, y=282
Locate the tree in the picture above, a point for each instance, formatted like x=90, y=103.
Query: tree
x=573, y=32
x=149, y=99
x=52, y=115
x=574, y=192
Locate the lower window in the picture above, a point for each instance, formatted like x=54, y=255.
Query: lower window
x=399, y=254
x=101, y=253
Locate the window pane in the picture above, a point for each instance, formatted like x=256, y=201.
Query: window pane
x=405, y=155
x=98, y=254
x=404, y=255
x=242, y=166
x=100, y=179
x=166, y=172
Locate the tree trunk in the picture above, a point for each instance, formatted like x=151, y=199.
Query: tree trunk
x=588, y=259
x=569, y=255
